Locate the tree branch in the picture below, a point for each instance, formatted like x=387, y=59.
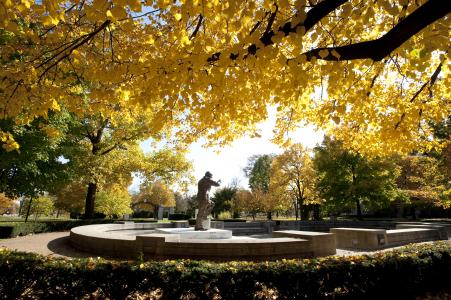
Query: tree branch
x=68, y=53
x=377, y=49
x=199, y=23
x=314, y=15
x=431, y=82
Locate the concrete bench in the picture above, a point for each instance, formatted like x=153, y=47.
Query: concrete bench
x=374, y=239
x=157, y=246
x=399, y=237
x=247, y=228
x=444, y=229
x=321, y=243
x=360, y=238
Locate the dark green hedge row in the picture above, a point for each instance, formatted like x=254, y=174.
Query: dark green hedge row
x=401, y=274
x=8, y=230
x=178, y=217
x=193, y=221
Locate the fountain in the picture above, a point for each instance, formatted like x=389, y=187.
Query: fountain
x=178, y=240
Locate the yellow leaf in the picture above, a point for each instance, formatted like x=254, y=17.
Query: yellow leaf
x=323, y=53
x=178, y=16
x=335, y=54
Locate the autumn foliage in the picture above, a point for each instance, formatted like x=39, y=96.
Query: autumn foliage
x=374, y=74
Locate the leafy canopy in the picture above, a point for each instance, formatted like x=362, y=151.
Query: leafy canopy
x=293, y=177
x=346, y=179
x=113, y=201
x=374, y=74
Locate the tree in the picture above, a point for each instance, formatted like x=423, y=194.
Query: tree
x=113, y=201
x=41, y=206
x=346, y=179
x=258, y=172
x=376, y=70
x=37, y=167
x=421, y=179
x=181, y=202
x=293, y=176
x=71, y=197
x=248, y=202
x=273, y=201
x=108, y=140
x=116, y=164
x=6, y=204
x=115, y=168
x=222, y=199
x=153, y=195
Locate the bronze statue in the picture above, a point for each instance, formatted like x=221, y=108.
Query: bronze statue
x=203, y=199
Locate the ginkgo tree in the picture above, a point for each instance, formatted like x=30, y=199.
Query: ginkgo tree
x=6, y=204
x=373, y=74
x=153, y=195
x=293, y=176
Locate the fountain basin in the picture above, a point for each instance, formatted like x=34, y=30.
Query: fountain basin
x=190, y=233
x=164, y=241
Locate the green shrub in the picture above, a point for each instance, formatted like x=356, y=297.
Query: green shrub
x=13, y=229
x=400, y=274
x=224, y=215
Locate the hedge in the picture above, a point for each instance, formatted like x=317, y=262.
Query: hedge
x=13, y=229
x=401, y=274
x=178, y=217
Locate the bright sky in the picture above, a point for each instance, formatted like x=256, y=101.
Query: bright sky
x=228, y=163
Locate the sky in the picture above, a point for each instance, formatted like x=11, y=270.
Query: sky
x=227, y=164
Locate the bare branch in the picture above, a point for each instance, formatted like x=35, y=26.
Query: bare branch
x=430, y=82
x=314, y=15
x=72, y=48
x=199, y=23
x=377, y=49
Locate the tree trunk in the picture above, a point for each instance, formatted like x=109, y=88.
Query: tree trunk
x=90, y=199
x=95, y=139
x=155, y=212
x=269, y=215
x=316, y=212
x=28, y=210
x=296, y=209
x=304, y=212
x=359, y=209
x=357, y=200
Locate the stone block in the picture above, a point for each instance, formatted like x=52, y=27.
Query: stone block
x=321, y=244
x=405, y=236
x=360, y=238
x=444, y=229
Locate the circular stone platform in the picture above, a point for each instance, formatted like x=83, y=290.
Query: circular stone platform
x=164, y=241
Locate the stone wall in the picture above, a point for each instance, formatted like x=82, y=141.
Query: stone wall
x=262, y=227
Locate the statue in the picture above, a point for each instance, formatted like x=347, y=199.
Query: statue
x=203, y=199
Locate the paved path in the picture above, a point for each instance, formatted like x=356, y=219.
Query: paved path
x=52, y=243
x=57, y=244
